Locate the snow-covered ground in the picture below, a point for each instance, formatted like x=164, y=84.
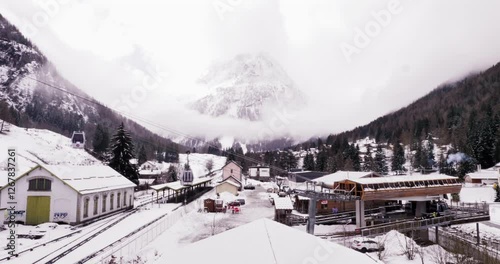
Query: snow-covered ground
x=122, y=228
x=473, y=194
x=198, y=163
x=397, y=245
x=196, y=226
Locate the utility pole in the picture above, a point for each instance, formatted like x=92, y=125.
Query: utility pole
x=312, y=214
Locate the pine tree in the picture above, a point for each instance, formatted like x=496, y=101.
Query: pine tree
x=356, y=160
x=467, y=165
x=321, y=160
x=309, y=162
x=380, y=163
x=331, y=165
x=483, y=139
x=172, y=173
x=430, y=152
x=160, y=156
x=101, y=139
x=398, y=159
x=368, y=163
x=143, y=157
x=496, y=187
x=122, y=152
x=420, y=157
x=443, y=165
x=348, y=165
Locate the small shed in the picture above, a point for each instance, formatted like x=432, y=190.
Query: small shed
x=219, y=206
x=209, y=205
x=227, y=186
x=282, y=209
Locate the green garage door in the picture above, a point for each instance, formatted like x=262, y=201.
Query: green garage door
x=37, y=210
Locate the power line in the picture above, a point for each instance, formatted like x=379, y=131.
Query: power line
x=151, y=123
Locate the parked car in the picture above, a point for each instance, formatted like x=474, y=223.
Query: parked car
x=234, y=207
x=366, y=245
x=234, y=204
x=249, y=187
x=241, y=201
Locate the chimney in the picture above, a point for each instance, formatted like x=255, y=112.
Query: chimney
x=478, y=167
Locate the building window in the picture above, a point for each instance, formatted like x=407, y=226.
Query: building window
x=111, y=201
x=231, y=170
x=104, y=203
x=324, y=206
x=86, y=207
x=96, y=204
x=118, y=200
x=39, y=184
x=125, y=199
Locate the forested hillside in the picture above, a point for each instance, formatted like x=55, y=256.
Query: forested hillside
x=30, y=96
x=465, y=114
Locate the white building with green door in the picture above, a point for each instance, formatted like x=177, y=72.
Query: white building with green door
x=69, y=194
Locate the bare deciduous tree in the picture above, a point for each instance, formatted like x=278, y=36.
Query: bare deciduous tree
x=409, y=247
x=440, y=255
x=381, y=247
x=209, y=165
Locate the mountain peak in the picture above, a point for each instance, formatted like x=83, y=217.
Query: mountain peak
x=243, y=86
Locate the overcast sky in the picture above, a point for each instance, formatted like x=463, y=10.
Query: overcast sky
x=355, y=60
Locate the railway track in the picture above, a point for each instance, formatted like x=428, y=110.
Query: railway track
x=120, y=240
x=85, y=238
x=30, y=249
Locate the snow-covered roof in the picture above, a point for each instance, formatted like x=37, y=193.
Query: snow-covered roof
x=485, y=174
x=392, y=179
x=231, y=178
x=232, y=161
x=146, y=181
x=283, y=203
x=149, y=172
x=237, y=185
x=270, y=243
x=90, y=179
x=346, y=175
x=177, y=184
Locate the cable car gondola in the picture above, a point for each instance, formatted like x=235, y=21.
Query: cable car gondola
x=187, y=174
x=78, y=139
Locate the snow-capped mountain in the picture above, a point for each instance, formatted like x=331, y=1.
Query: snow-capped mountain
x=245, y=87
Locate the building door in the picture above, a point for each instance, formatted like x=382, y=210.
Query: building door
x=37, y=210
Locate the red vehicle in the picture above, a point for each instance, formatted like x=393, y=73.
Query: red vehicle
x=234, y=207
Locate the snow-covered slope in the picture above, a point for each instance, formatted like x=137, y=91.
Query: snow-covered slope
x=40, y=146
x=198, y=162
x=21, y=63
x=245, y=86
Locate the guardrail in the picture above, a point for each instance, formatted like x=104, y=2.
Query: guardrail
x=407, y=225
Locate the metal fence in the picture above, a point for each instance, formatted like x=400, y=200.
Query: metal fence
x=461, y=213
x=129, y=247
